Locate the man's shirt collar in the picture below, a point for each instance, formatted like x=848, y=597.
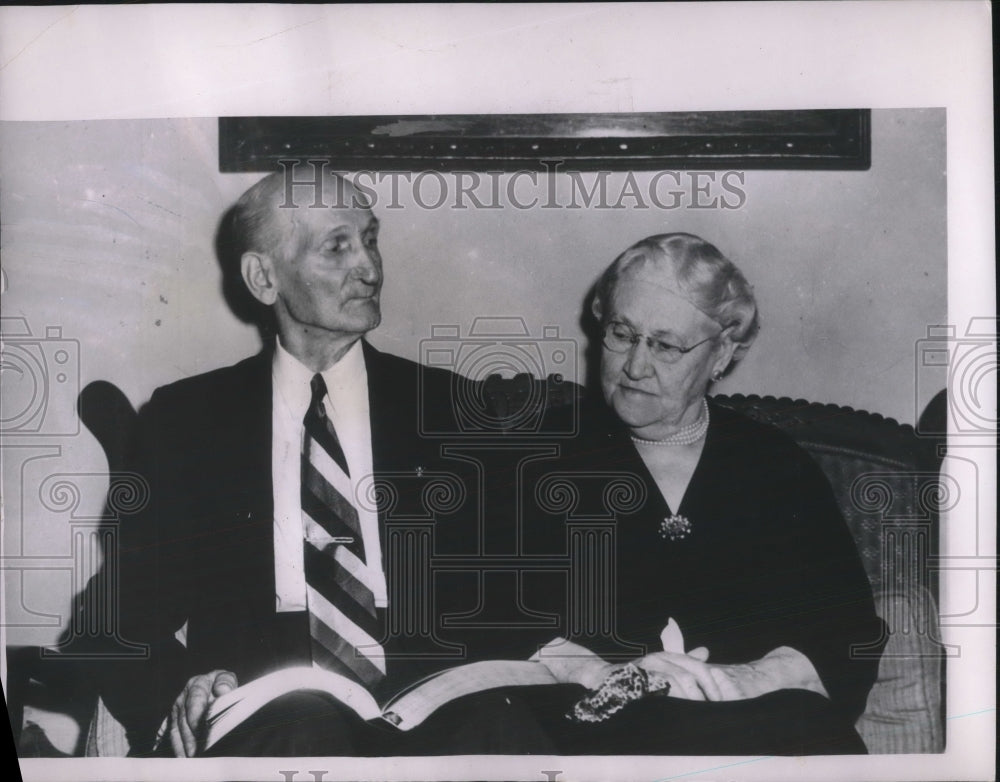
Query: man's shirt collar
x=344, y=380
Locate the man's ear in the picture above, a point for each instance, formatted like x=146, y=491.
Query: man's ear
x=258, y=274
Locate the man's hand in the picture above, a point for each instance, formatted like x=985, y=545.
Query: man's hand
x=693, y=678
x=189, y=709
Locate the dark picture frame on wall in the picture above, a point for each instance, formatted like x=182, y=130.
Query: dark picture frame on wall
x=821, y=139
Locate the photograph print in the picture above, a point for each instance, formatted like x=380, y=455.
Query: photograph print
x=574, y=443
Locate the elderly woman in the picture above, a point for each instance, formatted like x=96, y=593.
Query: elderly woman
x=732, y=531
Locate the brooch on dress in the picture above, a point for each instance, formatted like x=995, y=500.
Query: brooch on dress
x=675, y=527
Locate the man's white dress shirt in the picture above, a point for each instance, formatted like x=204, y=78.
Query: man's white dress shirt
x=346, y=406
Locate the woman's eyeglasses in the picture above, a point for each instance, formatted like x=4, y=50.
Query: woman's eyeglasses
x=620, y=338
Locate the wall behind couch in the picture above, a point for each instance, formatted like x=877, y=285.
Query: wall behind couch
x=108, y=262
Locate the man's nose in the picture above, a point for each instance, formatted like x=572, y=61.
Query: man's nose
x=639, y=364
x=369, y=266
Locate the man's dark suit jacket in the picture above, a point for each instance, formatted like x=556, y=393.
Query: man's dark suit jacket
x=201, y=552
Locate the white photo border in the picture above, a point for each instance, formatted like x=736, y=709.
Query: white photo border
x=63, y=63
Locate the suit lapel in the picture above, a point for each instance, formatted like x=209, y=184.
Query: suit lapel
x=393, y=412
x=249, y=507
x=251, y=433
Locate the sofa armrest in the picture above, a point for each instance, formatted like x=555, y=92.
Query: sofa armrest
x=903, y=714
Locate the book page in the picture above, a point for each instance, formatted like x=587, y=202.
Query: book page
x=408, y=710
x=231, y=709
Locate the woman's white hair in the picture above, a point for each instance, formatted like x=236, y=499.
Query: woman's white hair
x=708, y=279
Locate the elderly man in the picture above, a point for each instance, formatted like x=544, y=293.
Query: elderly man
x=264, y=544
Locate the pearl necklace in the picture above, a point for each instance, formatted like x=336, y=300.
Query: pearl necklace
x=686, y=435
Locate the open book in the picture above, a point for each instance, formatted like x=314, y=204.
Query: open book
x=559, y=661
x=405, y=710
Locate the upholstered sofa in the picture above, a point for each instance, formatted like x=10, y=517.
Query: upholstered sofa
x=886, y=480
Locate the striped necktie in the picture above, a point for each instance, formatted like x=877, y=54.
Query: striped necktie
x=343, y=621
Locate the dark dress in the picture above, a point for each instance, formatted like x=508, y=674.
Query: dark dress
x=768, y=562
